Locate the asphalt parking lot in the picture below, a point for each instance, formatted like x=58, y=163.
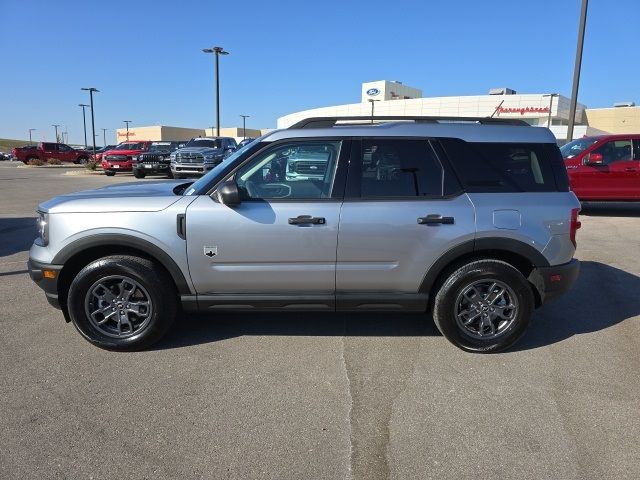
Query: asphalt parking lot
x=308, y=395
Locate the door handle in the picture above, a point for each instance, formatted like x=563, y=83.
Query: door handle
x=307, y=220
x=435, y=219
x=630, y=169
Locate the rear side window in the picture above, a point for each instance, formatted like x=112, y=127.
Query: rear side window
x=399, y=168
x=507, y=167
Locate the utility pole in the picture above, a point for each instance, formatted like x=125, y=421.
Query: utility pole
x=127, y=122
x=31, y=130
x=576, y=71
x=217, y=51
x=93, y=123
x=372, y=104
x=104, y=137
x=84, y=123
x=56, y=127
x=244, y=126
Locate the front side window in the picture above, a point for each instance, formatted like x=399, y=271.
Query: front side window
x=614, y=151
x=399, y=168
x=571, y=149
x=50, y=147
x=301, y=170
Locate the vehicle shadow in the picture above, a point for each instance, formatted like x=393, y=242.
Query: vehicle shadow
x=602, y=297
x=619, y=209
x=16, y=235
x=578, y=312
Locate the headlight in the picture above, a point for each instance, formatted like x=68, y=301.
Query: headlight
x=172, y=157
x=135, y=158
x=43, y=228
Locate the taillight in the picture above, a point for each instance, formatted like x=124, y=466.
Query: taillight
x=574, y=226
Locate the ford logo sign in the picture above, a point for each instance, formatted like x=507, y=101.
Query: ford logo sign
x=373, y=92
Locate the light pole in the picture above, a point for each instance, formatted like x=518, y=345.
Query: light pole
x=217, y=51
x=56, y=127
x=31, y=130
x=104, y=137
x=576, y=71
x=93, y=123
x=65, y=135
x=550, y=95
x=372, y=105
x=127, y=122
x=84, y=123
x=244, y=126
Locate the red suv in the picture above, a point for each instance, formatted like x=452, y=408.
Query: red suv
x=605, y=167
x=120, y=159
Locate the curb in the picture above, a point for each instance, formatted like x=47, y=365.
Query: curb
x=84, y=172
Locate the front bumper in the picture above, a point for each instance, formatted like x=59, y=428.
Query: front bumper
x=197, y=168
x=117, y=166
x=552, y=282
x=49, y=285
x=152, y=167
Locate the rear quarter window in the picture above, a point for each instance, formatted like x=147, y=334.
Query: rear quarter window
x=507, y=167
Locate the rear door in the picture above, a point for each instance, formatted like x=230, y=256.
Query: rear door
x=50, y=150
x=66, y=153
x=402, y=211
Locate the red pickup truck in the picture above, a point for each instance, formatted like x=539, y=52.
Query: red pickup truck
x=604, y=167
x=44, y=151
x=120, y=159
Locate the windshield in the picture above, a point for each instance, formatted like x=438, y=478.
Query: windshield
x=160, y=147
x=571, y=149
x=204, y=142
x=130, y=146
x=204, y=180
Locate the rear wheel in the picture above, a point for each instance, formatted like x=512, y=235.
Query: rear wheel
x=81, y=160
x=484, y=306
x=122, y=302
x=109, y=173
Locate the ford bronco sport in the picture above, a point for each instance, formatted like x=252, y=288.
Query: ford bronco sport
x=471, y=220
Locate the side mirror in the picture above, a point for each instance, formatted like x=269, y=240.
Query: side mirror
x=228, y=194
x=594, y=159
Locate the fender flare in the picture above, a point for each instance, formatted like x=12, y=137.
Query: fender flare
x=507, y=245
x=120, y=240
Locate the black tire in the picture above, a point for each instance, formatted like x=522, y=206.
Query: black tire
x=156, y=284
x=81, y=160
x=109, y=173
x=177, y=176
x=139, y=174
x=446, y=306
x=28, y=159
x=169, y=174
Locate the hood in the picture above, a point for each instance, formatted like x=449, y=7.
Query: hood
x=200, y=150
x=129, y=197
x=124, y=152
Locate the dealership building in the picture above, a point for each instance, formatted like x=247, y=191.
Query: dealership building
x=393, y=98
x=166, y=133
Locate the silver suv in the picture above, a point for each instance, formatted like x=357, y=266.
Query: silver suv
x=471, y=220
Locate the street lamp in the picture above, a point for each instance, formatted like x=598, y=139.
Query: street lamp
x=31, y=130
x=550, y=95
x=93, y=124
x=218, y=51
x=244, y=126
x=56, y=127
x=373, y=101
x=104, y=137
x=576, y=71
x=127, y=122
x=84, y=123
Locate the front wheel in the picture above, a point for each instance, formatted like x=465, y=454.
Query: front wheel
x=139, y=174
x=122, y=302
x=109, y=173
x=483, y=306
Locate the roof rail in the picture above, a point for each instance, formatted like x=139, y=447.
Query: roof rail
x=328, y=122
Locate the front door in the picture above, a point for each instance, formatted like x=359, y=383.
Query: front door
x=614, y=179
x=282, y=238
x=396, y=220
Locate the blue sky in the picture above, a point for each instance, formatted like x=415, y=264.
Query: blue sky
x=145, y=56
